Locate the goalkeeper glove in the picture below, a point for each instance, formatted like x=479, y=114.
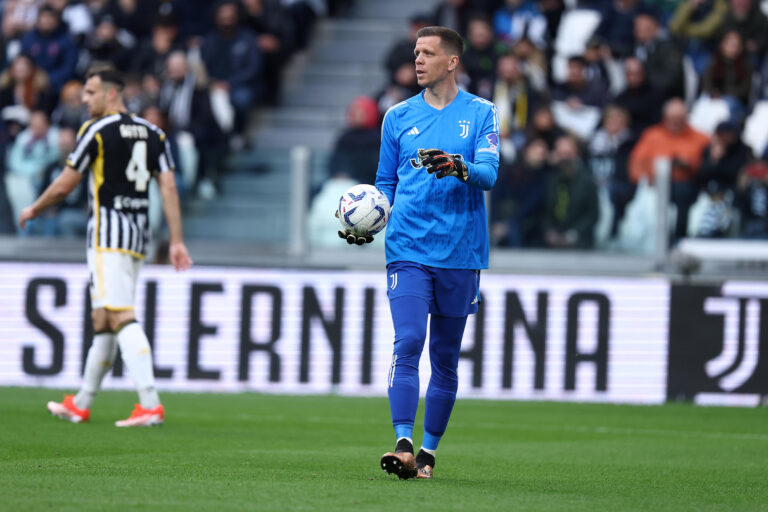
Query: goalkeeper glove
x=444, y=164
x=352, y=237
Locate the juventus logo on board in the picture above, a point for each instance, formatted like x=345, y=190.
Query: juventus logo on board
x=464, y=125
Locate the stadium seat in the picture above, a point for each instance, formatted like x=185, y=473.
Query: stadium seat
x=582, y=122
x=755, y=133
x=691, y=80
x=576, y=27
x=707, y=113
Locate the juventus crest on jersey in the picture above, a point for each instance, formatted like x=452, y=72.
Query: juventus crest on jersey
x=123, y=152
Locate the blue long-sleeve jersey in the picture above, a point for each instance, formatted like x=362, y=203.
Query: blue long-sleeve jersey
x=440, y=223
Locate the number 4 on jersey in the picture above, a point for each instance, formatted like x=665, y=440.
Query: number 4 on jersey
x=137, y=167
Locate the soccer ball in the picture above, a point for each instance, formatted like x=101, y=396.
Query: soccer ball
x=364, y=210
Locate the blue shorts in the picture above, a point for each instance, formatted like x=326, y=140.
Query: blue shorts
x=449, y=292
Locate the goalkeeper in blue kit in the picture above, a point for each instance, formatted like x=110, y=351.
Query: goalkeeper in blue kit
x=439, y=152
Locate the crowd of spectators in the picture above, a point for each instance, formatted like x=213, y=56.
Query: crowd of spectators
x=197, y=68
x=591, y=93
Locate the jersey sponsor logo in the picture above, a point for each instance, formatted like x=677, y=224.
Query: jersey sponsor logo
x=413, y=131
x=464, y=126
x=130, y=203
x=493, y=140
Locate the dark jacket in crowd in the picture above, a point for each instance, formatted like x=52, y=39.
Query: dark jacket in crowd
x=356, y=154
x=643, y=104
x=236, y=60
x=722, y=174
x=663, y=66
x=56, y=53
x=572, y=205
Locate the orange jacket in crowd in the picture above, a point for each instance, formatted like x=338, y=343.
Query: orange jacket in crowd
x=656, y=141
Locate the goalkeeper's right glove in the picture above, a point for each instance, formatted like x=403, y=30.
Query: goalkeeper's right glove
x=351, y=237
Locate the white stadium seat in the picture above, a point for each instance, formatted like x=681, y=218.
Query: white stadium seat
x=576, y=27
x=756, y=128
x=707, y=113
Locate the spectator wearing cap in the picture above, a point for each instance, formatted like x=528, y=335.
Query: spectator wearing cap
x=234, y=61
x=51, y=47
x=516, y=19
x=663, y=61
x=724, y=159
x=672, y=139
x=402, y=51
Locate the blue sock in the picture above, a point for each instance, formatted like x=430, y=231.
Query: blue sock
x=409, y=315
x=404, y=430
x=430, y=442
x=445, y=335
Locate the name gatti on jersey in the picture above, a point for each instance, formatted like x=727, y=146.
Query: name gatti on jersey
x=133, y=131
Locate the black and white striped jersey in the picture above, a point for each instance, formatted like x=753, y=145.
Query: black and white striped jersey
x=123, y=152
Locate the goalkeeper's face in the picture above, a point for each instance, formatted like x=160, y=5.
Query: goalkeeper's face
x=433, y=63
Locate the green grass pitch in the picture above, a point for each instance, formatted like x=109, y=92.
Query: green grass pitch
x=264, y=452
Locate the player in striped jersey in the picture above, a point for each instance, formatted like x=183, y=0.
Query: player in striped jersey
x=122, y=152
x=436, y=238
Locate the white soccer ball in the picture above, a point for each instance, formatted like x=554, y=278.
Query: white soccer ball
x=364, y=209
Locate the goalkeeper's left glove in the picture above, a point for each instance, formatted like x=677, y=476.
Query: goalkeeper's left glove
x=352, y=237
x=444, y=164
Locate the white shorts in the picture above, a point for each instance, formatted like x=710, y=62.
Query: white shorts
x=113, y=279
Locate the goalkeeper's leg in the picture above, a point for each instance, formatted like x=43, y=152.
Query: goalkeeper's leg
x=445, y=335
x=409, y=315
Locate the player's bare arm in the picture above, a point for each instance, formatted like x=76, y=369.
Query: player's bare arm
x=177, y=251
x=54, y=194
